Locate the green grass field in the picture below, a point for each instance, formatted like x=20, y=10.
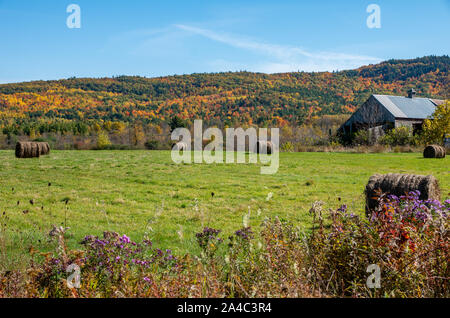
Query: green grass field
x=143, y=192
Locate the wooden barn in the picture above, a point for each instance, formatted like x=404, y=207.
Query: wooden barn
x=383, y=112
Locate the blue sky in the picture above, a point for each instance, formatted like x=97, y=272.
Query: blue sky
x=156, y=38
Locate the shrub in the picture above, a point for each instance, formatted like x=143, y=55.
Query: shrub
x=362, y=137
x=287, y=147
x=406, y=237
x=152, y=144
x=400, y=136
x=209, y=241
x=103, y=140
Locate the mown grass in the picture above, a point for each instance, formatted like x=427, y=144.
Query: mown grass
x=142, y=193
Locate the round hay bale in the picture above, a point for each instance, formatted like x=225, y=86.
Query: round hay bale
x=35, y=153
x=20, y=149
x=400, y=184
x=179, y=146
x=434, y=151
x=30, y=149
x=44, y=148
x=264, y=147
x=27, y=149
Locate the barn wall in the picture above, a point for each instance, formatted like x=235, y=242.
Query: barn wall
x=376, y=132
x=415, y=125
x=370, y=114
x=407, y=122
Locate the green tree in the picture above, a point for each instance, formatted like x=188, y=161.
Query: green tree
x=176, y=122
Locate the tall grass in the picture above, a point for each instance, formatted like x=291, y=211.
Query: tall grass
x=405, y=237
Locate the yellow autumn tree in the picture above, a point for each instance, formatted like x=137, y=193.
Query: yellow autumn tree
x=137, y=135
x=118, y=127
x=103, y=140
x=436, y=128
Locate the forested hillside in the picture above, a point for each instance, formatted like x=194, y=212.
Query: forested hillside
x=241, y=98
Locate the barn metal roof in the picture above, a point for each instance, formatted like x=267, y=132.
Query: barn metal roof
x=405, y=107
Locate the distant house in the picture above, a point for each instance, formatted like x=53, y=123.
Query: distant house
x=383, y=112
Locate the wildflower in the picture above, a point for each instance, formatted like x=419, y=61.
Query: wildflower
x=208, y=238
x=125, y=239
x=245, y=233
x=148, y=280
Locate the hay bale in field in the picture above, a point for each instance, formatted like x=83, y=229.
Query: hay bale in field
x=400, y=184
x=27, y=150
x=20, y=150
x=180, y=146
x=434, y=151
x=265, y=147
x=44, y=148
x=30, y=149
x=35, y=150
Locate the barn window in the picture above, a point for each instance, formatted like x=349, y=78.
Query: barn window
x=417, y=128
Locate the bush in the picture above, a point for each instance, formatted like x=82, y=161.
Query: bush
x=152, y=144
x=400, y=136
x=406, y=238
x=103, y=140
x=287, y=147
x=362, y=138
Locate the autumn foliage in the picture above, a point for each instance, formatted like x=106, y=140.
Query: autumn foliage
x=222, y=99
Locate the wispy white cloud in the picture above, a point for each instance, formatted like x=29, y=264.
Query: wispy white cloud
x=284, y=58
x=175, y=47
